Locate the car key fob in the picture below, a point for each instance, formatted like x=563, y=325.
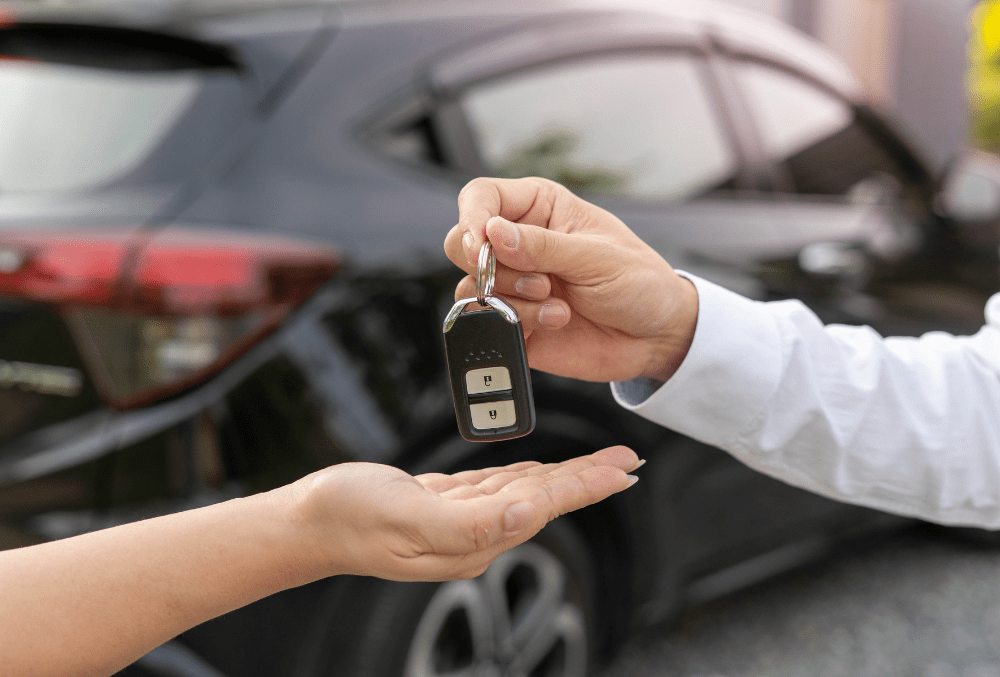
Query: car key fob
x=488, y=366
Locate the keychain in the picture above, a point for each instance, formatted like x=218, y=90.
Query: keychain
x=487, y=363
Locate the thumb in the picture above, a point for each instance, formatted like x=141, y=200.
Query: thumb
x=577, y=258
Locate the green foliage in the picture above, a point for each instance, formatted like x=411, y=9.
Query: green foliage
x=549, y=156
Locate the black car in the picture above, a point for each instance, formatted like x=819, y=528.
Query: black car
x=221, y=268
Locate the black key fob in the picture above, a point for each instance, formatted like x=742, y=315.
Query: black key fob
x=488, y=366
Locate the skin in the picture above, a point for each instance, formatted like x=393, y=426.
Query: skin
x=92, y=604
x=596, y=302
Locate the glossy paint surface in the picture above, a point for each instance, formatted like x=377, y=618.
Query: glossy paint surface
x=358, y=144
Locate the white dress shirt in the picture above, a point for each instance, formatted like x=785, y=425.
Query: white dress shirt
x=906, y=425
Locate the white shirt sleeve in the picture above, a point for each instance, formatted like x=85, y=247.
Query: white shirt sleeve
x=906, y=425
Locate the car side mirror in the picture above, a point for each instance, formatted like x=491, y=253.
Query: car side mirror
x=971, y=190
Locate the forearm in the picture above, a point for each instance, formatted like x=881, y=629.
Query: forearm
x=92, y=604
x=910, y=426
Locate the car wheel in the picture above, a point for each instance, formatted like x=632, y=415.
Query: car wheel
x=529, y=615
x=515, y=619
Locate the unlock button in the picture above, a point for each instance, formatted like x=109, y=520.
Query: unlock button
x=489, y=415
x=489, y=380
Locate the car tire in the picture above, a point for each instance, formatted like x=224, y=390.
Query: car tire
x=530, y=614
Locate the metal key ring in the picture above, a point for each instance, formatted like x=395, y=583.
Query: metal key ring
x=486, y=273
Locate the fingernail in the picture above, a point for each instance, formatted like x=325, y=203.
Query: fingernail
x=469, y=244
x=510, y=236
x=552, y=315
x=639, y=465
x=632, y=479
x=518, y=516
x=531, y=286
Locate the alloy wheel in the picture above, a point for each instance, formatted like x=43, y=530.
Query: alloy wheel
x=519, y=619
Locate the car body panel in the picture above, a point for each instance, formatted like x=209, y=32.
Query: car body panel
x=357, y=371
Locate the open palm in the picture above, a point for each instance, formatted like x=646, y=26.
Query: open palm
x=435, y=527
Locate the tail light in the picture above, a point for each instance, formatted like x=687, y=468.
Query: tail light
x=154, y=315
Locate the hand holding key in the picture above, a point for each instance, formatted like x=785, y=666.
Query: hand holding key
x=595, y=301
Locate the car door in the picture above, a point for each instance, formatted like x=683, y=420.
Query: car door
x=642, y=132
x=862, y=244
x=639, y=131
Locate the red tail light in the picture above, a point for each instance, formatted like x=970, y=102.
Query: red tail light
x=152, y=316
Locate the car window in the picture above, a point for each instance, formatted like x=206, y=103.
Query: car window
x=85, y=108
x=66, y=128
x=629, y=125
x=814, y=137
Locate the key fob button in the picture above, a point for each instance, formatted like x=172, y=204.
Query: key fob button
x=490, y=380
x=488, y=371
x=490, y=415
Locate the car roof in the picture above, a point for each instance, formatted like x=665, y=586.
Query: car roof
x=737, y=30
x=762, y=36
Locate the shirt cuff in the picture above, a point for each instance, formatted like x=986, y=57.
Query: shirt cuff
x=729, y=374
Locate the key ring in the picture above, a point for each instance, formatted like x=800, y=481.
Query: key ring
x=486, y=273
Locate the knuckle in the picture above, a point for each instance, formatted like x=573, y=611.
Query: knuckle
x=553, y=511
x=476, y=183
x=540, y=244
x=478, y=536
x=543, y=184
x=469, y=186
x=554, y=191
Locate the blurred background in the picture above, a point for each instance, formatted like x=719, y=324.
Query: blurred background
x=911, y=56
x=221, y=269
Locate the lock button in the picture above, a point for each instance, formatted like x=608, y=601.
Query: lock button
x=489, y=380
x=490, y=415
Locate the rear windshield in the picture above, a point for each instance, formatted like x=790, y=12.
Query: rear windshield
x=81, y=111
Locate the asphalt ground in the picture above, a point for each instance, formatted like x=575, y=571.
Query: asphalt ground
x=913, y=604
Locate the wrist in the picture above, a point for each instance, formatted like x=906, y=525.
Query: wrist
x=675, y=341
x=306, y=537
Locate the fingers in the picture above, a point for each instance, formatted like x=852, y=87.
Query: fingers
x=526, y=502
x=621, y=458
x=547, y=313
x=564, y=493
x=491, y=480
x=495, y=524
x=477, y=476
x=576, y=257
x=455, y=250
x=485, y=513
x=510, y=282
x=530, y=200
x=462, y=537
x=440, y=482
x=476, y=483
